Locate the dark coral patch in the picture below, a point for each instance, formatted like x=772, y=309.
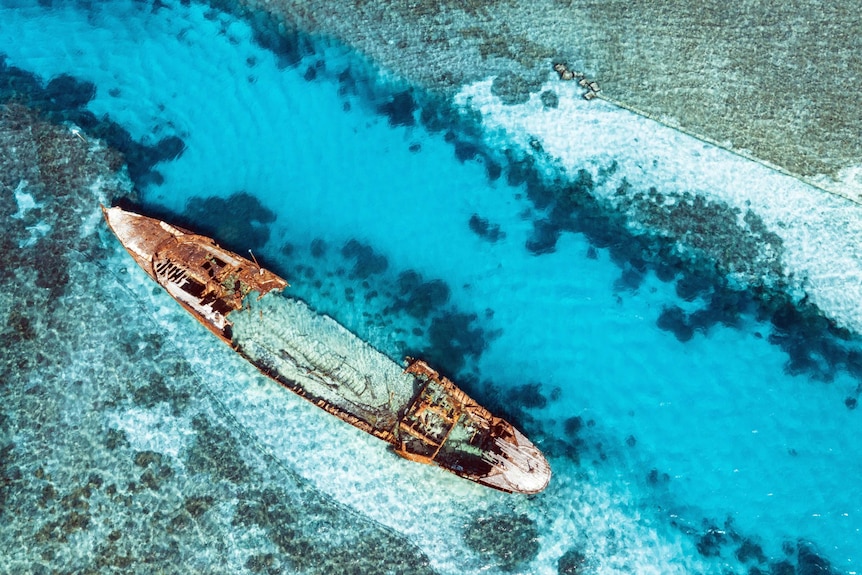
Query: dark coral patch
x=318, y=248
x=549, y=99
x=724, y=239
x=9, y=473
x=674, y=320
x=198, y=505
x=573, y=562
x=485, y=229
x=629, y=252
x=347, y=82
x=18, y=83
x=419, y=298
x=693, y=285
x=629, y=280
x=811, y=342
x=522, y=171
x=216, y=452
x=51, y=273
x=506, y=539
x=570, y=207
x=239, y=222
x=400, y=109
x=528, y=395
x=725, y=307
x=750, y=551
x=572, y=426
x=709, y=544
x=427, y=297
x=287, y=44
x=575, y=195
x=544, y=238
x=115, y=438
x=155, y=471
x=656, y=478
x=65, y=92
x=366, y=261
x=782, y=568
x=810, y=563
x=665, y=271
x=453, y=338
x=20, y=325
x=467, y=151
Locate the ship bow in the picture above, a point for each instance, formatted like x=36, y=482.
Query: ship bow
x=140, y=235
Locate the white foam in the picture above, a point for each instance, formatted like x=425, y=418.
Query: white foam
x=821, y=232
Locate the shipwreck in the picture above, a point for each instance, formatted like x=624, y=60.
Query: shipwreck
x=423, y=415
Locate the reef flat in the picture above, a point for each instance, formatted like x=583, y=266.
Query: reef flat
x=772, y=80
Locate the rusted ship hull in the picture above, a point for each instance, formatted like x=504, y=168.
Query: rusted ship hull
x=424, y=416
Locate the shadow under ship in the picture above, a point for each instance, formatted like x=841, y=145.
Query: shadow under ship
x=423, y=415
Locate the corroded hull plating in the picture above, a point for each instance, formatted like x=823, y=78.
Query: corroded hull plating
x=424, y=416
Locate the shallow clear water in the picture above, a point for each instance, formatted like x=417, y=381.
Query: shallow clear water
x=679, y=433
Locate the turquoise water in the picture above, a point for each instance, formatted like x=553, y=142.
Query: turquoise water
x=680, y=444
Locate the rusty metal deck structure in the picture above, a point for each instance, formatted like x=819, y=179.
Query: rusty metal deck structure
x=424, y=416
